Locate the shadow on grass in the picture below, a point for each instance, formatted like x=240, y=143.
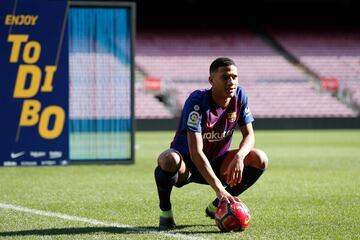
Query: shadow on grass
x=113, y=230
x=180, y=229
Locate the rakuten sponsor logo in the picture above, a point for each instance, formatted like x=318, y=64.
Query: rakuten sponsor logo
x=215, y=136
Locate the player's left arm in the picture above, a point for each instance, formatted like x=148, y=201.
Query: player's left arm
x=236, y=166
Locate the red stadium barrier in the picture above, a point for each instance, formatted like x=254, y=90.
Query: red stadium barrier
x=152, y=84
x=329, y=83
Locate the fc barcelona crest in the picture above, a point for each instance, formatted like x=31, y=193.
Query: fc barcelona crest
x=231, y=117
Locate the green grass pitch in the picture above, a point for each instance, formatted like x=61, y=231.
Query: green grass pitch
x=311, y=190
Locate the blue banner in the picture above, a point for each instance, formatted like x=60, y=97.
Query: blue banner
x=34, y=83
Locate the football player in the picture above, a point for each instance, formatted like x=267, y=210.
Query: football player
x=200, y=150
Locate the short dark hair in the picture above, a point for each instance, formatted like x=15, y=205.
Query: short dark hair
x=221, y=62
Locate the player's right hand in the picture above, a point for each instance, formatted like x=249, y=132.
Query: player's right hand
x=227, y=197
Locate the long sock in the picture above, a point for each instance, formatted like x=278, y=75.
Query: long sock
x=165, y=182
x=166, y=214
x=249, y=177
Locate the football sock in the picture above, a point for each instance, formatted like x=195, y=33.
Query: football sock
x=211, y=207
x=249, y=177
x=166, y=214
x=165, y=182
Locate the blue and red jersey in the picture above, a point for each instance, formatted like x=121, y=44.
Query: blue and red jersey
x=216, y=124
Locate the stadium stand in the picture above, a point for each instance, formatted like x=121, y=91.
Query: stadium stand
x=187, y=56
x=276, y=88
x=293, y=100
x=147, y=106
x=327, y=52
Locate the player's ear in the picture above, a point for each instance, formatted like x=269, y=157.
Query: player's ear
x=210, y=80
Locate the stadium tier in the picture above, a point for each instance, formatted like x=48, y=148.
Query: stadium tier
x=198, y=43
x=327, y=52
x=187, y=56
x=293, y=100
x=196, y=67
x=276, y=87
x=147, y=106
x=283, y=99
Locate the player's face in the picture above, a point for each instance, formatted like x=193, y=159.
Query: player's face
x=224, y=81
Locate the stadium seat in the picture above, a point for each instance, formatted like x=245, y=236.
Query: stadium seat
x=276, y=88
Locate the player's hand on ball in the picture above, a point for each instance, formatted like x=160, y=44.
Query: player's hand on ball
x=224, y=196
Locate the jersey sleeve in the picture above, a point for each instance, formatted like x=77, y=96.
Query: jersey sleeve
x=192, y=116
x=245, y=115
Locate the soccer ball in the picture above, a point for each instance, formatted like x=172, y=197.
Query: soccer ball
x=232, y=216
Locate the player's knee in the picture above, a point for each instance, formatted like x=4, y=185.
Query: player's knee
x=259, y=159
x=263, y=159
x=169, y=161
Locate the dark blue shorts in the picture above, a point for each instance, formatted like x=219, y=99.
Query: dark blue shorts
x=195, y=175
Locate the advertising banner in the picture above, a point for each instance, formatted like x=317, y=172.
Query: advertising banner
x=33, y=83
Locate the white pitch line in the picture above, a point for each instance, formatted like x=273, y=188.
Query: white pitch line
x=96, y=222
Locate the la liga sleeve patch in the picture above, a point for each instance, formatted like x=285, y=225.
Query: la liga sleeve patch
x=193, y=119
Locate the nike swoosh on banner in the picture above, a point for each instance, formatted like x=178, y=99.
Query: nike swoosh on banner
x=16, y=155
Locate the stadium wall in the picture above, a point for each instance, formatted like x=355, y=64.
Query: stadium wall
x=262, y=123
